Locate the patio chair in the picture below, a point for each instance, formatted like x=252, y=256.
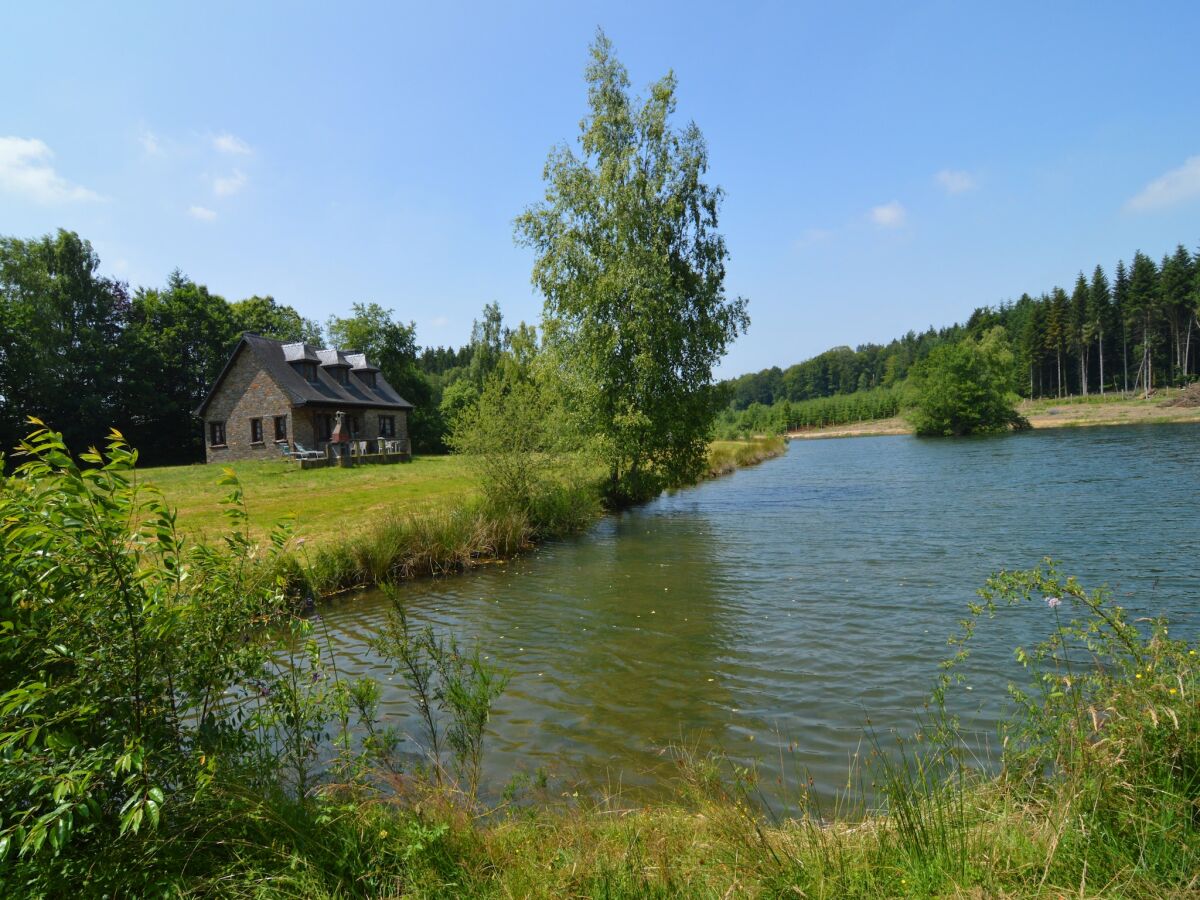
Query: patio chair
x=302, y=452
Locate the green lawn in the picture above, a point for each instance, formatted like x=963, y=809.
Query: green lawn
x=327, y=504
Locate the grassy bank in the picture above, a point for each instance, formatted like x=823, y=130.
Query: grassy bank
x=1066, y=412
x=361, y=526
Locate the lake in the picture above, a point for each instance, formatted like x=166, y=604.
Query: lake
x=769, y=614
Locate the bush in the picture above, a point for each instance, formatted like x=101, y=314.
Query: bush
x=965, y=388
x=118, y=647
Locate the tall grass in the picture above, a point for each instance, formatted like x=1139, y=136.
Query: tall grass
x=727, y=456
x=441, y=541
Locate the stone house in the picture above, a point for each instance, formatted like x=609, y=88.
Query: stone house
x=272, y=393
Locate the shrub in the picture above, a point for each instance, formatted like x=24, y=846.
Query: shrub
x=965, y=388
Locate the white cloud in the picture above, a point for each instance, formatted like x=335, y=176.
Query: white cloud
x=25, y=169
x=1174, y=187
x=811, y=237
x=889, y=215
x=228, y=143
x=953, y=181
x=150, y=142
x=439, y=322
x=227, y=185
x=203, y=213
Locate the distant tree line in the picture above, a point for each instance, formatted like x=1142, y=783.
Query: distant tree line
x=1131, y=332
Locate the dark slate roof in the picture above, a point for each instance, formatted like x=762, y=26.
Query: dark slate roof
x=276, y=358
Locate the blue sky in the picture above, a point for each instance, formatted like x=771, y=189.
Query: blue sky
x=887, y=165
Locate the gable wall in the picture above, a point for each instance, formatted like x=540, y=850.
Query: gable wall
x=247, y=392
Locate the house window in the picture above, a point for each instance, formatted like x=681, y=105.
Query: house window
x=309, y=371
x=340, y=375
x=355, y=426
x=216, y=434
x=256, y=431
x=324, y=426
x=368, y=378
x=387, y=426
x=281, y=428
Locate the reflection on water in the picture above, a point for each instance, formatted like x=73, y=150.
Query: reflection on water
x=769, y=614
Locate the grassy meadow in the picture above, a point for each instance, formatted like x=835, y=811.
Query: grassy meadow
x=327, y=505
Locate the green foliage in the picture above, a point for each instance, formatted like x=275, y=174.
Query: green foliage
x=392, y=346
x=177, y=342
x=119, y=647
x=632, y=270
x=966, y=388
x=268, y=318
x=60, y=338
x=840, y=409
x=508, y=435
x=444, y=679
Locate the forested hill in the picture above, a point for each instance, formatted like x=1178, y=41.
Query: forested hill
x=1138, y=327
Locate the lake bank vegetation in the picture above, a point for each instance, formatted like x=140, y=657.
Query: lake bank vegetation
x=160, y=739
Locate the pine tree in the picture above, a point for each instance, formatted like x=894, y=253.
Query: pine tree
x=1098, y=312
x=1121, y=300
x=1079, y=329
x=1058, y=317
x=1177, y=284
x=1144, y=309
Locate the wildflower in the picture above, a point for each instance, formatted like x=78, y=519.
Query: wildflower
x=1054, y=602
x=1172, y=691
x=1138, y=675
x=383, y=834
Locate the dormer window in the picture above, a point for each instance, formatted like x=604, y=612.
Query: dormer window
x=309, y=371
x=340, y=375
x=368, y=378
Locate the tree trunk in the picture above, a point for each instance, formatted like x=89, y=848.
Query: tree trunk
x=1125, y=354
x=1187, y=350
x=1100, y=347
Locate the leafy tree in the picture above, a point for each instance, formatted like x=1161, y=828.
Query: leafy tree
x=488, y=339
x=264, y=316
x=966, y=387
x=178, y=341
x=60, y=330
x=392, y=346
x=632, y=269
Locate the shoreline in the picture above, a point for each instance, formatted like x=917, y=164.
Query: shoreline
x=1067, y=412
x=448, y=541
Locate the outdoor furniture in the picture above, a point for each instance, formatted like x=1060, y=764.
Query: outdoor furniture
x=302, y=452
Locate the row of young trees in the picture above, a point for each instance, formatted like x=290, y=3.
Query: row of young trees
x=1133, y=331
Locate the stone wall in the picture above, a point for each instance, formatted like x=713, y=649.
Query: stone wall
x=246, y=393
